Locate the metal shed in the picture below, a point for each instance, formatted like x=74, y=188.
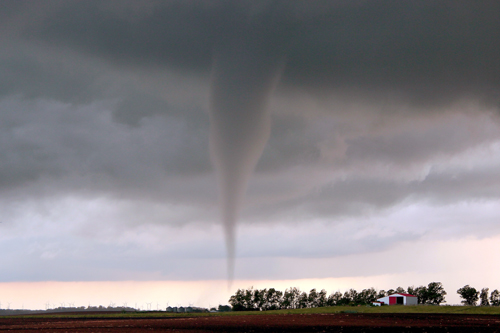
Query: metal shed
x=399, y=299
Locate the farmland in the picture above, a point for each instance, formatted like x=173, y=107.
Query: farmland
x=330, y=319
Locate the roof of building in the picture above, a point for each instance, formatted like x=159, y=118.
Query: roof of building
x=407, y=295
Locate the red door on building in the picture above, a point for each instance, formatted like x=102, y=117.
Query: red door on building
x=396, y=300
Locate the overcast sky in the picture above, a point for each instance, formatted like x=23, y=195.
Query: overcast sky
x=383, y=157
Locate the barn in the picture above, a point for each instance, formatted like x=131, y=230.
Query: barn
x=398, y=299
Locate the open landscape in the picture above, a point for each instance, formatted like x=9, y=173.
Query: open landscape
x=329, y=319
x=249, y=166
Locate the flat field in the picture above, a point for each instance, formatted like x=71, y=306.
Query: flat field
x=364, y=320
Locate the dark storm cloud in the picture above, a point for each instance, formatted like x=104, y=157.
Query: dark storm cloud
x=425, y=54
x=33, y=74
x=428, y=52
x=82, y=149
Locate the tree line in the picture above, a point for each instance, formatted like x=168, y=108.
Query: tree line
x=470, y=296
x=293, y=298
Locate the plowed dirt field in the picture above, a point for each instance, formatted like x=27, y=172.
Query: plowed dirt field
x=262, y=323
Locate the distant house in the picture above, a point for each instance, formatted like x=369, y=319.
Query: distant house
x=397, y=299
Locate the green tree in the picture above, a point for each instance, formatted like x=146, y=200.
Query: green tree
x=312, y=301
x=248, y=299
x=258, y=299
x=345, y=300
x=224, y=308
x=469, y=295
x=382, y=293
x=322, y=300
x=334, y=298
x=400, y=290
x=302, y=300
x=484, y=297
x=272, y=299
x=367, y=296
x=422, y=295
x=290, y=298
x=353, y=296
x=237, y=301
x=495, y=298
x=372, y=293
x=390, y=292
x=435, y=293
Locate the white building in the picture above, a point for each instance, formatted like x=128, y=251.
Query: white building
x=397, y=299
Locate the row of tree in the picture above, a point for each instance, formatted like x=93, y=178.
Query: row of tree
x=293, y=298
x=470, y=296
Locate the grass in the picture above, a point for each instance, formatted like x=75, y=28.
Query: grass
x=494, y=310
x=490, y=310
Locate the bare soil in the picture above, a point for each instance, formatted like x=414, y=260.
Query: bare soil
x=263, y=323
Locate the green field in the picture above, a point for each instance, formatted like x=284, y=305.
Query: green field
x=489, y=310
x=495, y=310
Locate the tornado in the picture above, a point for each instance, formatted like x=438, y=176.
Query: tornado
x=244, y=75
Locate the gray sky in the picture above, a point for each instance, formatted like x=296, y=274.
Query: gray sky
x=385, y=137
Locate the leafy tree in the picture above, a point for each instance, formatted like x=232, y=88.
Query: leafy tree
x=421, y=293
x=435, y=293
x=400, y=290
x=353, y=295
x=382, y=293
x=390, y=292
x=345, y=300
x=290, y=298
x=248, y=299
x=469, y=294
x=258, y=299
x=411, y=291
x=237, y=301
x=334, y=298
x=272, y=299
x=312, y=301
x=495, y=298
x=484, y=297
x=367, y=296
x=223, y=308
x=322, y=300
x=302, y=301
x=287, y=301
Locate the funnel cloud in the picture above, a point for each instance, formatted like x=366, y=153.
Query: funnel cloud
x=243, y=78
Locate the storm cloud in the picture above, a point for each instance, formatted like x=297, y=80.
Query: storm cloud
x=374, y=106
